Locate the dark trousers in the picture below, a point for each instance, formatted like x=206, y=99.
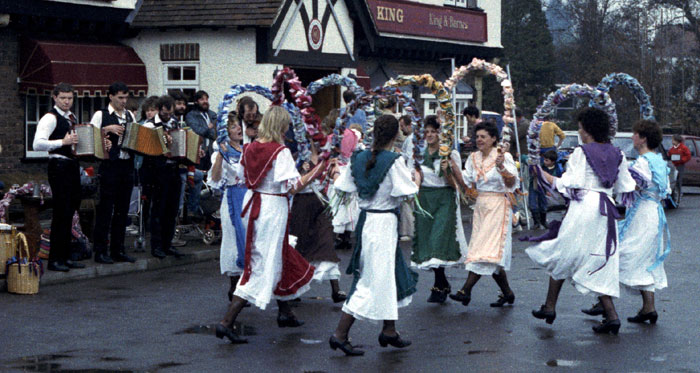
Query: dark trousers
x=64, y=179
x=116, y=184
x=165, y=203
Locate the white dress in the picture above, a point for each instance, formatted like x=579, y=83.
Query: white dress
x=231, y=174
x=433, y=180
x=344, y=215
x=491, y=182
x=270, y=228
x=578, y=252
x=375, y=294
x=639, y=245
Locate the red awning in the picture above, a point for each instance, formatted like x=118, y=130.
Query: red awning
x=90, y=68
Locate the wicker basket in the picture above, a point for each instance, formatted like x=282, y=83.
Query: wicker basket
x=7, y=244
x=21, y=279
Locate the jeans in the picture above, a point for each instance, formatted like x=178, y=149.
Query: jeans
x=193, y=192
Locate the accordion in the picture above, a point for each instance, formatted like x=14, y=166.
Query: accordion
x=144, y=140
x=185, y=145
x=90, y=142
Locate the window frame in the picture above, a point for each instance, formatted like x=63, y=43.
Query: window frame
x=181, y=84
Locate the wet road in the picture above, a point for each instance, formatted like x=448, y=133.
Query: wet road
x=160, y=321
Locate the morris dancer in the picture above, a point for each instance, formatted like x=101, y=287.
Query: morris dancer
x=493, y=172
x=311, y=224
x=643, y=249
x=439, y=241
x=576, y=249
x=272, y=268
x=228, y=176
x=383, y=282
x=346, y=214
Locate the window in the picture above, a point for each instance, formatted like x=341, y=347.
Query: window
x=36, y=107
x=430, y=107
x=181, y=77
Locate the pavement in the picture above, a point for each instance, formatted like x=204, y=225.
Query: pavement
x=162, y=321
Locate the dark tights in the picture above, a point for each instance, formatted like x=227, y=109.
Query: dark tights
x=500, y=278
x=440, y=278
x=553, y=296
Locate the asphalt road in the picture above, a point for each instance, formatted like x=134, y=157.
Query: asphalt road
x=161, y=321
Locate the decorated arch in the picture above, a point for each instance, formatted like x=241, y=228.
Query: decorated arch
x=304, y=119
x=613, y=80
x=601, y=101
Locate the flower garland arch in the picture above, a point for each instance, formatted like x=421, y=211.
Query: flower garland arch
x=304, y=119
x=612, y=80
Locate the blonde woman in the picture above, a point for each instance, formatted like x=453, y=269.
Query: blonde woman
x=272, y=268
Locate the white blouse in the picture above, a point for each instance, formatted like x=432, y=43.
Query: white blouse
x=231, y=173
x=283, y=175
x=431, y=177
x=580, y=175
x=485, y=174
x=397, y=185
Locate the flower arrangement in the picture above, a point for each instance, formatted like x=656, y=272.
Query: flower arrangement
x=304, y=119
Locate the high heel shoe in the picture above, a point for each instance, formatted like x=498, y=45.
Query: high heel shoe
x=596, y=310
x=548, y=316
x=345, y=346
x=439, y=295
x=608, y=326
x=503, y=299
x=288, y=321
x=461, y=296
x=640, y=318
x=222, y=331
x=339, y=297
x=395, y=341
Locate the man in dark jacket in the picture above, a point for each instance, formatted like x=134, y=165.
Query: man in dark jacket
x=203, y=122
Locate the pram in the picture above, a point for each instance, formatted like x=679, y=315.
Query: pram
x=209, y=229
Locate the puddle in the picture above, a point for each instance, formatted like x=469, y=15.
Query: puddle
x=563, y=363
x=210, y=329
x=477, y=352
x=310, y=341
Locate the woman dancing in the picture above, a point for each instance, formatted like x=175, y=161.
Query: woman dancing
x=227, y=175
x=382, y=280
x=439, y=241
x=272, y=269
x=579, y=251
x=494, y=174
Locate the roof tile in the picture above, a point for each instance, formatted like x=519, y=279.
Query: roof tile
x=212, y=13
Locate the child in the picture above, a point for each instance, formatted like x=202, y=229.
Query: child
x=537, y=198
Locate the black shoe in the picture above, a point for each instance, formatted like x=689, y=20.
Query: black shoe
x=548, y=316
x=345, y=346
x=173, y=251
x=461, y=296
x=222, y=331
x=502, y=299
x=439, y=295
x=595, y=310
x=102, y=258
x=288, y=321
x=58, y=266
x=642, y=317
x=71, y=264
x=339, y=297
x=158, y=253
x=608, y=326
x=395, y=341
x=122, y=257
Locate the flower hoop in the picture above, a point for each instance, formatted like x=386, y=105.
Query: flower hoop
x=443, y=97
x=229, y=97
x=349, y=83
x=601, y=101
x=614, y=79
x=492, y=69
x=409, y=105
x=304, y=119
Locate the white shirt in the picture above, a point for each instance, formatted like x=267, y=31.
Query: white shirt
x=407, y=148
x=97, y=122
x=431, y=177
x=46, y=126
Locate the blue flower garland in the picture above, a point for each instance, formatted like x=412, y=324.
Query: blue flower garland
x=612, y=80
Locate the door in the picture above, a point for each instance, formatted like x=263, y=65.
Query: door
x=327, y=98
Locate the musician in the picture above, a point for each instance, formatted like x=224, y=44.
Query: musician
x=203, y=122
x=165, y=182
x=116, y=179
x=180, y=108
x=54, y=134
x=249, y=116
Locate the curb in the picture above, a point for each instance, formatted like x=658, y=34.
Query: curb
x=95, y=270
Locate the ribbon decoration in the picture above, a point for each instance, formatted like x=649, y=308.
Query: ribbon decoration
x=228, y=99
x=304, y=120
x=613, y=80
x=409, y=106
x=600, y=100
x=444, y=99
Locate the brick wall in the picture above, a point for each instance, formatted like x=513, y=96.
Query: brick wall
x=12, y=134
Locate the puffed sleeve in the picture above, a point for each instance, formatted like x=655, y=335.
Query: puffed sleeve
x=625, y=183
x=575, y=175
x=345, y=182
x=284, y=169
x=512, y=169
x=401, y=181
x=641, y=173
x=456, y=158
x=468, y=173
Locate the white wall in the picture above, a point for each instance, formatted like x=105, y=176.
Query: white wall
x=332, y=41
x=227, y=57
x=128, y=4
